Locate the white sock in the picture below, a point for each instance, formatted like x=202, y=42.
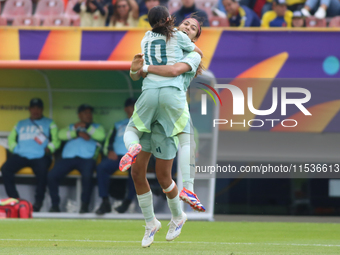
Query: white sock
x=189, y=186
x=187, y=160
x=146, y=204
x=131, y=137
x=175, y=206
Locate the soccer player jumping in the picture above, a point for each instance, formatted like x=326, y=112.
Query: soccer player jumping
x=163, y=101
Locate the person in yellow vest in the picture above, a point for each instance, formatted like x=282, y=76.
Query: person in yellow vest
x=143, y=20
x=92, y=13
x=279, y=16
x=292, y=5
x=126, y=14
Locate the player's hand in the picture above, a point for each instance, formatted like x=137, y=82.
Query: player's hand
x=112, y=155
x=47, y=150
x=199, y=71
x=141, y=73
x=84, y=135
x=137, y=62
x=80, y=124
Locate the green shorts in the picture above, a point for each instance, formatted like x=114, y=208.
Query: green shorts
x=167, y=106
x=158, y=143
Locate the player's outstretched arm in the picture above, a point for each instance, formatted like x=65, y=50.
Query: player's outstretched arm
x=136, y=65
x=168, y=70
x=198, y=50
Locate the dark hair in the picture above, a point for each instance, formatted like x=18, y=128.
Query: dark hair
x=130, y=102
x=161, y=21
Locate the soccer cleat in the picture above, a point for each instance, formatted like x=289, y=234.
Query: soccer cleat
x=151, y=229
x=191, y=198
x=130, y=157
x=175, y=227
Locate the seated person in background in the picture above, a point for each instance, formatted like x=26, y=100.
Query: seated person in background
x=32, y=141
x=143, y=20
x=292, y=5
x=187, y=9
x=80, y=152
x=143, y=8
x=92, y=13
x=125, y=14
x=240, y=16
x=114, y=149
x=279, y=16
x=323, y=8
x=298, y=19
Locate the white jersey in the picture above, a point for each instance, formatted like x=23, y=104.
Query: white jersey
x=159, y=52
x=193, y=59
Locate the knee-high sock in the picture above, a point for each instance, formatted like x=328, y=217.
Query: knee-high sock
x=146, y=204
x=175, y=206
x=131, y=136
x=187, y=160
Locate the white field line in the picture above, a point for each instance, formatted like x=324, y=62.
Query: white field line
x=177, y=242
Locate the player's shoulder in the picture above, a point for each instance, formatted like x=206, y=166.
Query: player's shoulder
x=193, y=55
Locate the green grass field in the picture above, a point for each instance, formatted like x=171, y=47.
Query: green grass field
x=124, y=237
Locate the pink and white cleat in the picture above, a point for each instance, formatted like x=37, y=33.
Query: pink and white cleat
x=191, y=198
x=130, y=157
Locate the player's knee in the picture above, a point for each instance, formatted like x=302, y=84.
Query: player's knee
x=164, y=180
x=137, y=176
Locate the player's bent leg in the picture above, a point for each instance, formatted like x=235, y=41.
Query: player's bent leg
x=178, y=216
x=187, y=164
x=144, y=197
x=163, y=172
x=131, y=140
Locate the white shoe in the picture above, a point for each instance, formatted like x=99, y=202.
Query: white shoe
x=320, y=13
x=175, y=228
x=305, y=12
x=151, y=229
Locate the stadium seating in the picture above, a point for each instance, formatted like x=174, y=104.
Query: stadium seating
x=334, y=22
x=3, y=22
x=314, y=22
x=218, y=22
x=17, y=8
x=70, y=14
x=49, y=8
x=57, y=21
x=25, y=21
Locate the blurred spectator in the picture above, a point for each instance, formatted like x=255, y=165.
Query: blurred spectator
x=144, y=10
x=125, y=14
x=143, y=20
x=188, y=8
x=298, y=19
x=278, y=17
x=292, y=5
x=114, y=149
x=92, y=13
x=32, y=141
x=80, y=152
x=249, y=3
x=323, y=8
x=240, y=16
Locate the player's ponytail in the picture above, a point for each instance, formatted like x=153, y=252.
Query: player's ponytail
x=161, y=21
